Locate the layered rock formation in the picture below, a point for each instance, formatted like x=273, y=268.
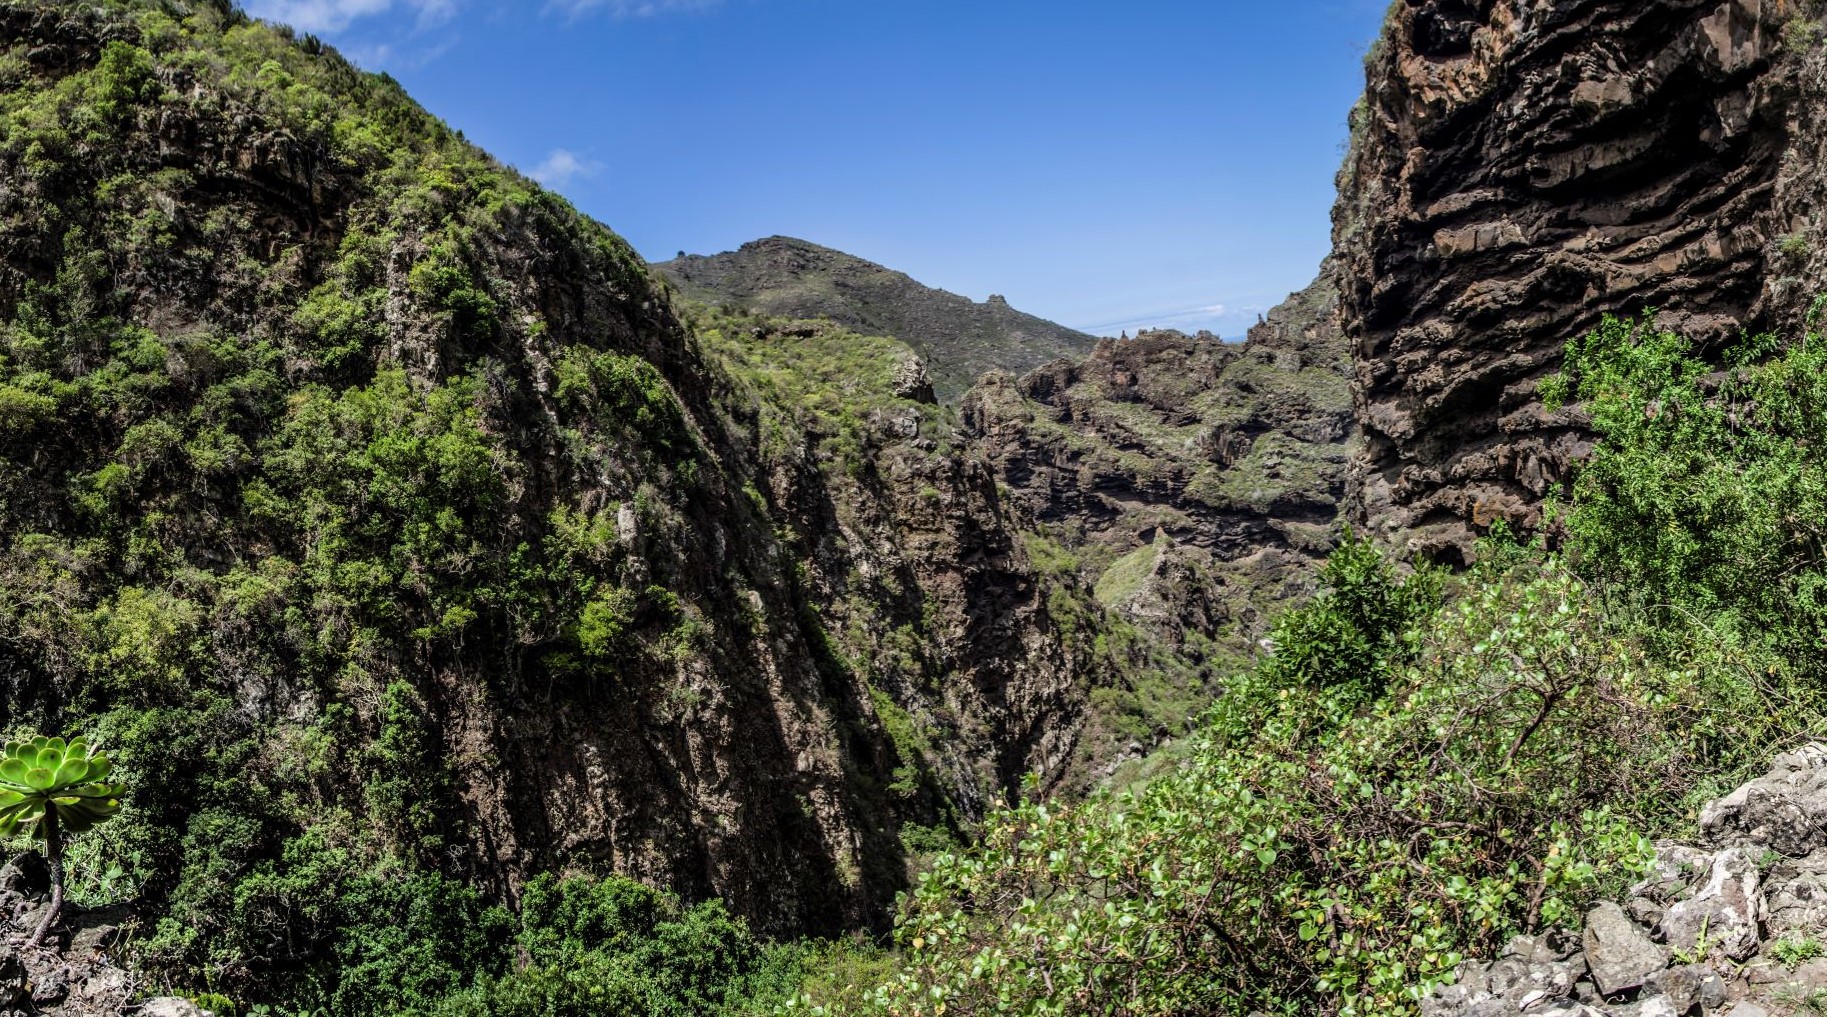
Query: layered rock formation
x=1196, y=482
x=1519, y=168
x=958, y=338
x=1732, y=926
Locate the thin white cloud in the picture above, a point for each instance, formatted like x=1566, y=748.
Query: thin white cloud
x=394, y=57
x=336, y=15
x=561, y=166
x=630, y=8
x=432, y=12
x=1206, y=316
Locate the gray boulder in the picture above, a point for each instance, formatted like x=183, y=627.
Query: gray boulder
x=171, y=1006
x=1786, y=809
x=1619, y=953
x=1535, y=975
x=912, y=382
x=1795, y=895
x=1676, y=868
x=1725, y=912
x=1688, y=986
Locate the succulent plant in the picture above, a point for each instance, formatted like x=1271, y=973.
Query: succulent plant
x=57, y=788
x=49, y=773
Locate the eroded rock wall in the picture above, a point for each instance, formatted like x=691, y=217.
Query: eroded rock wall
x=1519, y=168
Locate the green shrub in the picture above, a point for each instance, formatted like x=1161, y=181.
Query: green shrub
x=1423, y=768
x=616, y=948
x=446, y=282
x=1803, y=31
x=1349, y=634
x=1336, y=858
x=22, y=409
x=1704, y=496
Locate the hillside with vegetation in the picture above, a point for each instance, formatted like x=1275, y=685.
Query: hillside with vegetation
x=404, y=545
x=1431, y=763
x=413, y=603
x=1195, y=485
x=958, y=338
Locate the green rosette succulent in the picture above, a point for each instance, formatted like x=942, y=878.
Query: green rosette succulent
x=49, y=773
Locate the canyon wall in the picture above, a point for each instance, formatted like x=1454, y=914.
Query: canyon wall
x=1519, y=168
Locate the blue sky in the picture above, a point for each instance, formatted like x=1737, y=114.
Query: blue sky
x=1105, y=164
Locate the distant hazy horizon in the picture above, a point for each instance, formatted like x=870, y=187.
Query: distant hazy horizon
x=1110, y=167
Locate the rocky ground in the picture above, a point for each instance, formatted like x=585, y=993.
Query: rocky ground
x=1735, y=925
x=74, y=974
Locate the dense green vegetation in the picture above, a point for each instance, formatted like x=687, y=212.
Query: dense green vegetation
x=1427, y=764
x=305, y=508
x=311, y=519
x=422, y=945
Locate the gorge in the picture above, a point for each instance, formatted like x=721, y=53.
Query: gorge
x=486, y=621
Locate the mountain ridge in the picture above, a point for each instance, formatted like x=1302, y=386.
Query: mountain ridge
x=959, y=339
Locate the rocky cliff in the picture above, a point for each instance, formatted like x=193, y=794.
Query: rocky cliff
x=1195, y=483
x=958, y=338
x=383, y=514
x=1519, y=168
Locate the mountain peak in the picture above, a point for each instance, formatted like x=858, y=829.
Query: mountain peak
x=958, y=338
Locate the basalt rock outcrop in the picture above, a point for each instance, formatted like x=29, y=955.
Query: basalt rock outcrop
x=1519, y=168
x=1733, y=925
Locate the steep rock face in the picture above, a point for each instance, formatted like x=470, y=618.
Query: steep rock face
x=912, y=558
x=1226, y=447
x=1195, y=482
x=958, y=338
x=414, y=358
x=364, y=497
x=1519, y=168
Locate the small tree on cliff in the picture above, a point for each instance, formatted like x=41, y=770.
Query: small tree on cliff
x=59, y=789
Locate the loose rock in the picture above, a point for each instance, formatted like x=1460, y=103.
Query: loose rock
x=1724, y=907
x=171, y=1006
x=1619, y=952
x=1725, y=913
x=1784, y=810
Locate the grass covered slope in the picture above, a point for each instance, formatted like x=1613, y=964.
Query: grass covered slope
x=1427, y=764
x=958, y=338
